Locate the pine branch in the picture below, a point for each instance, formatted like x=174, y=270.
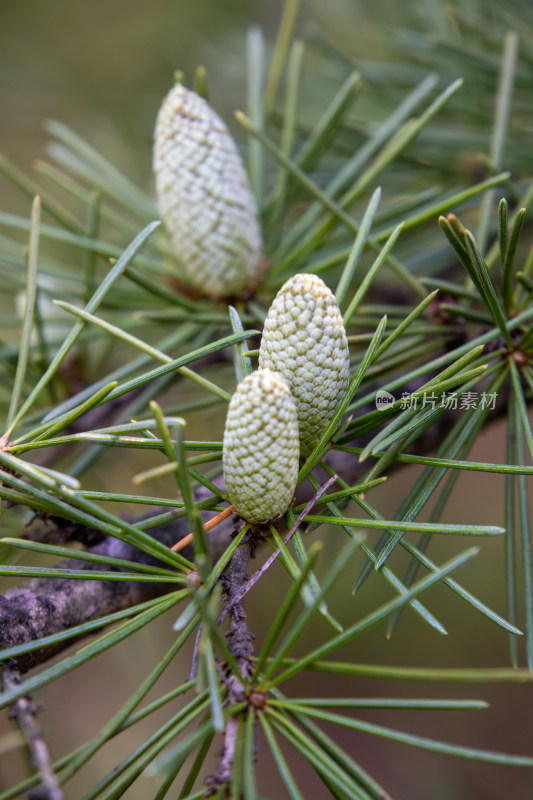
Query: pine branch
x=46, y=606
x=23, y=712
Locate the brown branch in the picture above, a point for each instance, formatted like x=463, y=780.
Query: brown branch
x=23, y=712
x=241, y=640
x=241, y=645
x=45, y=606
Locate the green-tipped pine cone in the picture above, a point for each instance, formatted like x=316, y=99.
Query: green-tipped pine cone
x=261, y=452
x=305, y=341
x=204, y=196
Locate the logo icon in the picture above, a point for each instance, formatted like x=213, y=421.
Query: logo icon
x=384, y=399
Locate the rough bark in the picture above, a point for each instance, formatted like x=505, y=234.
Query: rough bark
x=44, y=606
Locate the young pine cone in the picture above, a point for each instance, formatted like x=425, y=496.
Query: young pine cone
x=260, y=452
x=204, y=196
x=305, y=341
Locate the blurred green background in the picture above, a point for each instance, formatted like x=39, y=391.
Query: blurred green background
x=102, y=68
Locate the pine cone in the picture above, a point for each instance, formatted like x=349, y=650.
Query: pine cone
x=305, y=341
x=261, y=452
x=204, y=196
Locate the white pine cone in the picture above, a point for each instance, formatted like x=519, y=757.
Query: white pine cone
x=204, y=196
x=305, y=341
x=260, y=452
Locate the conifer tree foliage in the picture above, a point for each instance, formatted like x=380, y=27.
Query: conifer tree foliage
x=397, y=322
